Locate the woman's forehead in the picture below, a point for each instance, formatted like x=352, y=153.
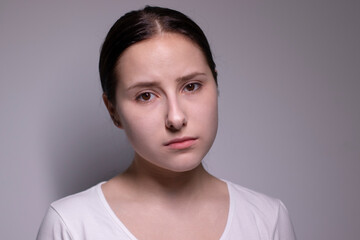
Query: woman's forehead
x=163, y=56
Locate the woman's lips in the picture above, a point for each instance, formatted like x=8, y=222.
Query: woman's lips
x=181, y=143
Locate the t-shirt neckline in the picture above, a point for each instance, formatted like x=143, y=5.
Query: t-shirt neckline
x=118, y=222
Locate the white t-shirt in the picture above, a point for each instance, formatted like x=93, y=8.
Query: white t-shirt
x=87, y=215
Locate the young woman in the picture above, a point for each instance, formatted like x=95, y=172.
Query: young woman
x=160, y=86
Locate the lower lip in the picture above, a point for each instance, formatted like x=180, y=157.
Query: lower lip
x=182, y=145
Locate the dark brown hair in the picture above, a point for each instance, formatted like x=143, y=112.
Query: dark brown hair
x=140, y=25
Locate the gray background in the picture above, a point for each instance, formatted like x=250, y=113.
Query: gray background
x=289, y=106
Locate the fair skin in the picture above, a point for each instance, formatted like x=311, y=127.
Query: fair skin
x=166, y=102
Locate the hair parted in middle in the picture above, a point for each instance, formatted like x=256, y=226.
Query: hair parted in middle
x=144, y=24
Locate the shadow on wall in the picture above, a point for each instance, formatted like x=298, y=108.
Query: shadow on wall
x=82, y=154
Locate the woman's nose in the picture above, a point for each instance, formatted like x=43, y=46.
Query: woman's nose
x=175, y=118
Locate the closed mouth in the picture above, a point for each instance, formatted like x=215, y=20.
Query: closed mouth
x=181, y=143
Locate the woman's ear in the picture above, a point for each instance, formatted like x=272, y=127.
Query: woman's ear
x=112, y=111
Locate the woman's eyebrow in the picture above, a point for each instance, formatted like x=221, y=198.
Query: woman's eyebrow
x=190, y=76
x=143, y=85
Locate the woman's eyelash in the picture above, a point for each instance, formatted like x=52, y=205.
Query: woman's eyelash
x=148, y=96
x=145, y=97
x=191, y=87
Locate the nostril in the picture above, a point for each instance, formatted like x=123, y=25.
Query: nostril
x=175, y=117
x=172, y=129
x=175, y=125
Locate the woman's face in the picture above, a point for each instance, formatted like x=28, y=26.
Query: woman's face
x=166, y=101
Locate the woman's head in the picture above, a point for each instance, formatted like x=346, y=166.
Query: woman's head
x=140, y=25
x=159, y=84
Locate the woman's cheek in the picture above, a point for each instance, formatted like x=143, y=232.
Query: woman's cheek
x=140, y=124
x=207, y=110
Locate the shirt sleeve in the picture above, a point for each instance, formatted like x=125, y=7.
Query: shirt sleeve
x=284, y=229
x=53, y=227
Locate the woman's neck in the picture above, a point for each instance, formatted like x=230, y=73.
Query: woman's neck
x=152, y=180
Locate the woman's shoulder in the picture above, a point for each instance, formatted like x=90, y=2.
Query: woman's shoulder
x=249, y=196
x=268, y=215
x=255, y=203
x=78, y=202
x=67, y=216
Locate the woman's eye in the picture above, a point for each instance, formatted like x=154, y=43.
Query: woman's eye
x=191, y=87
x=145, y=97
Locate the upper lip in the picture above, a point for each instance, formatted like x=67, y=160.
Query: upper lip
x=177, y=140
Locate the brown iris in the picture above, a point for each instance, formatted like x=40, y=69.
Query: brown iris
x=190, y=87
x=145, y=96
